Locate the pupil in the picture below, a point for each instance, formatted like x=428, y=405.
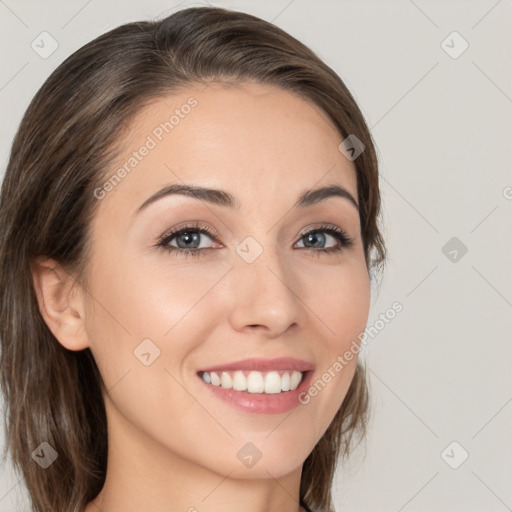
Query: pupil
x=188, y=236
x=316, y=236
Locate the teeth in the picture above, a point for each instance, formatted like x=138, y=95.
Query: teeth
x=273, y=382
x=255, y=382
x=226, y=381
x=239, y=381
x=295, y=379
x=215, y=379
x=285, y=382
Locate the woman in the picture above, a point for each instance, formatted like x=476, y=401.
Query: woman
x=189, y=225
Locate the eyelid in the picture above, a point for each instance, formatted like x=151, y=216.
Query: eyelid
x=190, y=226
x=212, y=232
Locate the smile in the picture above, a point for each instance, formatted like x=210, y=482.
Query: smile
x=272, y=382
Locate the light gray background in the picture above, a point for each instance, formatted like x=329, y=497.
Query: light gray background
x=441, y=370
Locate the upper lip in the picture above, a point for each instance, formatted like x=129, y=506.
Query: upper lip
x=262, y=365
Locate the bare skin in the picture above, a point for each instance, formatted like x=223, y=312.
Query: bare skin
x=172, y=444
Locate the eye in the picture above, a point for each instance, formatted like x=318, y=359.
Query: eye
x=188, y=239
x=318, y=239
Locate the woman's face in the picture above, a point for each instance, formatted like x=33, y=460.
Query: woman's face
x=253, y=287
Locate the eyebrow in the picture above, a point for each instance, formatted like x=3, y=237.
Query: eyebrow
x=222, y=198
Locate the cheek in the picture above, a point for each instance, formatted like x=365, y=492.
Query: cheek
x=142, y=328
x=133, y=301
x=342, y=308
x=340, y=298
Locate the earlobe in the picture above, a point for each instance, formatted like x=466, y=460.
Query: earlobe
x=61, y=303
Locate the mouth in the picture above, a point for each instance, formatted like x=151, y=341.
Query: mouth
x=262, y=386
x=255, y=382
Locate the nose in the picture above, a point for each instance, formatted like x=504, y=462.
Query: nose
x=265, y=295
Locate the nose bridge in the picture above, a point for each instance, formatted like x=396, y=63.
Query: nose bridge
x=264, y=291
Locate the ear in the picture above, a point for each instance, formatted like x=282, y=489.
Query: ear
x=61, y=302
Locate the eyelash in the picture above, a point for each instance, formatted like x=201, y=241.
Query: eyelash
x=344, y=240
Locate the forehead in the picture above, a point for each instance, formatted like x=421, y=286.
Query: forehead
x=253, y=139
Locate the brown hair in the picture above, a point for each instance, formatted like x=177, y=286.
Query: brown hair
x=60, y=154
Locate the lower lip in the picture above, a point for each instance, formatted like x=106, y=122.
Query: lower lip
x=262, y=403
